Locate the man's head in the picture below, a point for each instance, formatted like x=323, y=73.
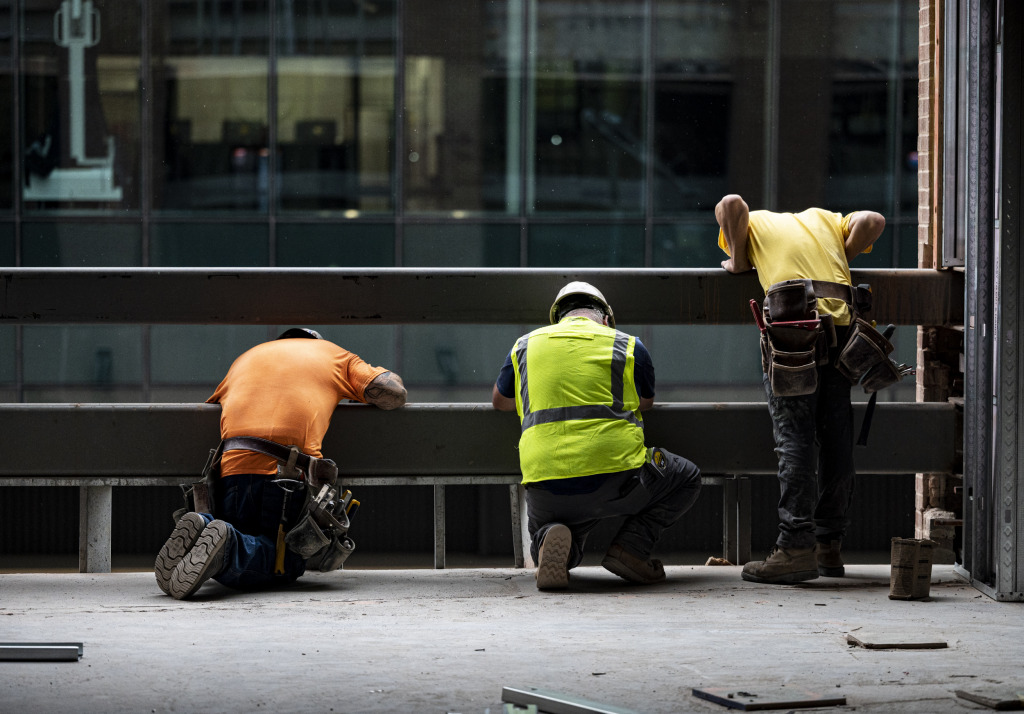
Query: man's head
x=300, y=332
x=578, y=295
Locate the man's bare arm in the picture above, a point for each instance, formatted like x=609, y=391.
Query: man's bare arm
x=502, y=403
x=733, y=216
x=646, y=403
x=865, y=227
x=386, y=391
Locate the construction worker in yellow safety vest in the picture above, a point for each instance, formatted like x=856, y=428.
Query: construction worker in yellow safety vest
x=579, y=386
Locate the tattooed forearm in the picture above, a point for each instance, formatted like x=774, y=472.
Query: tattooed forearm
x=386, y=391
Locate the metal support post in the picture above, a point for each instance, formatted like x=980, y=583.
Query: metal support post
x=517, y=525
x=94, y=515
x=439, y=549
x=736, y=519
x=524, y=528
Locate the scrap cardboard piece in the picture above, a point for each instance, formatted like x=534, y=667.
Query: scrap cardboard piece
x=1004, y=700
x=895, y=641
x=781, y=698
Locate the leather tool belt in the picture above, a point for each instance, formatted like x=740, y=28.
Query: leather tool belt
x=795, y=340
x=318, y=472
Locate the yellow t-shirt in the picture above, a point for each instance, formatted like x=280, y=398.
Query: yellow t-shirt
x=286, y=391
x=810, y=244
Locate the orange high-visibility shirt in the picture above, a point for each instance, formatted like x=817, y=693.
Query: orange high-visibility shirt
x=286, y=391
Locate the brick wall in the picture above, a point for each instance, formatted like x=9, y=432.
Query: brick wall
x=938, y=506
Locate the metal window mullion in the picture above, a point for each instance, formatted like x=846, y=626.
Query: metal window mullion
x=272, y=113
x=772, y=67
x=398, y=183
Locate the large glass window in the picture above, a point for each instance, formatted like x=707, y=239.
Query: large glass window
x=80, y=115
x=461, y=113
x=210, y=111
x=709, y=108
x=335, y=105
x=588, y=140
x=344, y=133
x=7, y=75
x=80, y=246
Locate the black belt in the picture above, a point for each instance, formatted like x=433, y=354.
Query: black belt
x=318, y=471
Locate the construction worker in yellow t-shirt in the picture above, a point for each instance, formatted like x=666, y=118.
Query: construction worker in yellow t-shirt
x=815, y=245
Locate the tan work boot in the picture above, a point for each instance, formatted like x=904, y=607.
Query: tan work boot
x=629, y=567
x=203, y=561
x=185, y=534
x=784, y=565
x=553, y=558
x=830, y=562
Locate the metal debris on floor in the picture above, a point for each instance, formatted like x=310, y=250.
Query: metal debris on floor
x=41, y=651
x=556, y=702
x=789, y=698
x=1005, y=700
x=897, y=641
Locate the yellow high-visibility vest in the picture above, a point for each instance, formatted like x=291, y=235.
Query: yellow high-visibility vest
x=577, y=401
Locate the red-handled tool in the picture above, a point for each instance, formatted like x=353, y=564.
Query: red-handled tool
x=758, y=317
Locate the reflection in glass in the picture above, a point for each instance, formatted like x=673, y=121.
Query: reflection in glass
x=588, y=137
x=335, y=105
x=461, y=245
x=708, y=103
x=81, y=104
x=586, y=246
x=461, y=106
x=210, y=71
x=202, y=245
x=79, y=246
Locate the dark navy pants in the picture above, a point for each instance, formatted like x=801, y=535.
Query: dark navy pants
x=251, y=505
x=650, y=500
x=814, y=443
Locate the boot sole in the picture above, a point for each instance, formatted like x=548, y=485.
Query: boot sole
x=180, y=542
x=194, y=569
x=798, y=576
x=832, y=572
x=552, y=573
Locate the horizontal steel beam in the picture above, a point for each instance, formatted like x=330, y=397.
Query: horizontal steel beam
x=135, y=441
x=521, y=296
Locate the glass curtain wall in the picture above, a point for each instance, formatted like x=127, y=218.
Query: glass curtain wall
x=344, y=133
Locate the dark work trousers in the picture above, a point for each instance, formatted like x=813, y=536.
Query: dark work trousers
x=650, y=500
x=814, y=443
x=251, y=505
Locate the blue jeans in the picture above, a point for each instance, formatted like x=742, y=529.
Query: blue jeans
x=251, y=505
x=814, y=443
x=651, y=502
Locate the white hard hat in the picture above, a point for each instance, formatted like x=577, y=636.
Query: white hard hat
x=578, y=287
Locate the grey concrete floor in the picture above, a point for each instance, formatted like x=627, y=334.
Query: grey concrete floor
x=450, y=640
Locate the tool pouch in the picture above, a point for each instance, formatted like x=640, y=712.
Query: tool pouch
x=200, y=496
x=332, y=556
x=865, y=358
x=792, y=365
x=306, y=538
x=322, y=472
x=795, y=340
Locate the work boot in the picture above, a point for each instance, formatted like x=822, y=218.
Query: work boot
x=203, y=561
x=784, y=565
x=183, y=537
x=631, y=567
x=830, y=562
x=553, y=558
